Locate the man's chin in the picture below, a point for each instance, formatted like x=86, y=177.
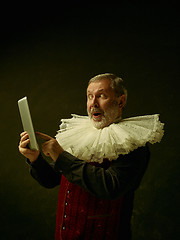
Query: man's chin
x=99, y=124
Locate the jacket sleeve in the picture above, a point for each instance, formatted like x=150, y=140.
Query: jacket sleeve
x=123, y=175
x=44, y=173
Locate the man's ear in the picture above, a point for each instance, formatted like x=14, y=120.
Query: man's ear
x=122, y=101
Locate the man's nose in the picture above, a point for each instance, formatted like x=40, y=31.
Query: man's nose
x=95, y=102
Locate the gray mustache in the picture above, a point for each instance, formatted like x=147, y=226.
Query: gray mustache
x=93, y=110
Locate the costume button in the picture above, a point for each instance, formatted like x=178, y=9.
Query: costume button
x=66, y=203
x=63, y=228
x=65, y=216
x=68, y=191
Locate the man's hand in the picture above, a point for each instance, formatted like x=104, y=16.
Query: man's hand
x=32, y=155
x=50, y=147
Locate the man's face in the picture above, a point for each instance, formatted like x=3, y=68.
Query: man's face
x=102, y=103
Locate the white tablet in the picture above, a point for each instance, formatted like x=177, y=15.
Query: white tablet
x=27, y=122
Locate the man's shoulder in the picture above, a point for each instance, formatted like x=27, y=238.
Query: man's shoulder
x=141, y=154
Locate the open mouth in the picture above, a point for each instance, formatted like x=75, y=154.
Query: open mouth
x=97, y=115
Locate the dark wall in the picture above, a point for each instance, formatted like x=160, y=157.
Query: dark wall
x=49, y=57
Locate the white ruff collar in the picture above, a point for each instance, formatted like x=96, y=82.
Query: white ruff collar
x=78, y=136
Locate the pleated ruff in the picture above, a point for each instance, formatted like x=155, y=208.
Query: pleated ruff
x=78, y=136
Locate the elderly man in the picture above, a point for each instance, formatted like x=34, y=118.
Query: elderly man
x=99, y=161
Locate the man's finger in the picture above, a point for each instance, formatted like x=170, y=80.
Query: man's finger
x=24, y=143
x=43, y=136
x=24, y=137
x=23, y=133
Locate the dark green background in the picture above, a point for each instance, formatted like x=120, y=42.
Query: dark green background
x=49, y=56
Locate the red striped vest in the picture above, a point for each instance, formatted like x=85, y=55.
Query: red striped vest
x=80, y=215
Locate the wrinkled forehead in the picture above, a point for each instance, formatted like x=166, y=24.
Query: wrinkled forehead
x=100, y=85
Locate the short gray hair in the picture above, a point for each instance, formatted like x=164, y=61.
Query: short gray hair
x=116, y=83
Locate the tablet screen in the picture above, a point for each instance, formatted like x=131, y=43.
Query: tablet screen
x=27, y=122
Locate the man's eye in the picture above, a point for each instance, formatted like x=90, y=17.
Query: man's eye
x=90, y=97
x=103, y=96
